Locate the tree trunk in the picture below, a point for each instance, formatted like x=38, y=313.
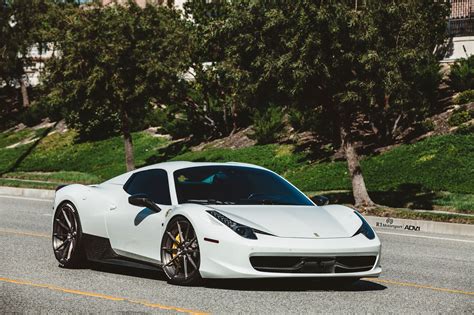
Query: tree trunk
x=234, y=117
x=127, y=141
x=359, y=190
x=24, y=92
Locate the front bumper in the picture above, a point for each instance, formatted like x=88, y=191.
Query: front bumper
x=230, y=258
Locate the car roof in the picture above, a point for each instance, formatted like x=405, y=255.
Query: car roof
x=173, y=166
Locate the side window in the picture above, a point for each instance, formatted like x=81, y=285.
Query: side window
x=154, y=183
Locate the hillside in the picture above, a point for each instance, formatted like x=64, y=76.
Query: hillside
x=436, y=173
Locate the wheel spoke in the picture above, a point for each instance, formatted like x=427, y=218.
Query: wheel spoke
x=64, y=253
x=59, y=236
x=67, y=219
x=187, y=231
x=191, y=260
x=192, y=241
x=181, y=238
x=62, y=225
x=185, y=263
x=173, y=238
x=71, y=245
x=171, y=261
x=170, y=250
x=65, y=242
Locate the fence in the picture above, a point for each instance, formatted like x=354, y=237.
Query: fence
x=461, y=20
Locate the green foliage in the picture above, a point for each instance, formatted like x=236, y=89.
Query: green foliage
x=327, y=57
x=464, y=97
x=116, y=64
x=279, y=158
x=465, y=129
x=267, y=125
x=460, y=116
x=56, y=177
x=428, y=125
x=57, y=153
x=443, y=163
x=460, y=202
x=461, y=75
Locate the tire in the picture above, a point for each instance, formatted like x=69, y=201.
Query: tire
x=181, y=259
x=67, y=237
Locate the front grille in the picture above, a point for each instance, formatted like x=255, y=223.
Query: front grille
x=303, y=264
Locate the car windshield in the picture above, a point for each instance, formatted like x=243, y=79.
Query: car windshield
x=230, y=185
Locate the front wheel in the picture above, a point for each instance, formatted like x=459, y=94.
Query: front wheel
x=180, y=252
x=67, y=237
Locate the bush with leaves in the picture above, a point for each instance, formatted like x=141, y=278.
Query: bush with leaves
x=267, y=125
x=461, y=76
x=460, y=116
x=464, y=97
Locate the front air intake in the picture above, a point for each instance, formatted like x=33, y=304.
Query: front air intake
x=306, y=264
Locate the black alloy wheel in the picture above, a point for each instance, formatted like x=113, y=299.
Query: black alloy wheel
x=67, y=236
x=180, y=252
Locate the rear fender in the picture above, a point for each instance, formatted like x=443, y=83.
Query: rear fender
x=91, y=203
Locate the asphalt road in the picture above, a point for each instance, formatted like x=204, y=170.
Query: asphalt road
x=427, y=274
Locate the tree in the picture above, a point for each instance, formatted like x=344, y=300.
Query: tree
x=21, y=25
x=371, y=63
x=115, y=63
x=352, y=62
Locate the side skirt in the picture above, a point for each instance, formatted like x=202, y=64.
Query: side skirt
x=98, y=249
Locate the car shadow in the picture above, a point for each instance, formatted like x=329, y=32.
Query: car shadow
x=281, y=284
x=293, y=284
x=153, y=274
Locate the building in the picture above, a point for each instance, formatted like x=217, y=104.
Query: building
x=461, y=30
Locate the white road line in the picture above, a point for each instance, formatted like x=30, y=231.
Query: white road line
x=424, y=236
x=26, y=198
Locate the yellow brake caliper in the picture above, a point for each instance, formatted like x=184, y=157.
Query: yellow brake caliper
x=175, y=246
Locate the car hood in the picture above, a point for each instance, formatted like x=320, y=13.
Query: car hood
x=331, y=221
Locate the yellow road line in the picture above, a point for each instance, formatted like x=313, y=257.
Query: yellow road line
x=102, y=296
x=420, y=286
x=405, y=284
x=24, y=233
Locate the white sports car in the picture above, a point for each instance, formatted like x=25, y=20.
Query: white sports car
x=211, y=220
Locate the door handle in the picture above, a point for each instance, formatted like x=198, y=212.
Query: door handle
x=112, y=207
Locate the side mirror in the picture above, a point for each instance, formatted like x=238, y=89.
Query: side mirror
x=142, y=200
x=320, y=200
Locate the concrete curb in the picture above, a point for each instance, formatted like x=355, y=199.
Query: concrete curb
x=380, y=223
x=406, y=225
x=27, y=192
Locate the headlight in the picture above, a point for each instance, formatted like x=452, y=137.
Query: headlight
x=238, y=228
x=365, y=229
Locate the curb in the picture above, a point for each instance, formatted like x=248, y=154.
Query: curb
x=380, y=223
x=27, y=192
x=407, y=225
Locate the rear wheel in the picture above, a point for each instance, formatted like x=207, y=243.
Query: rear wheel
x=180, y=252
x=67, y=237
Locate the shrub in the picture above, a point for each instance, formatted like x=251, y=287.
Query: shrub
x=461, y=76
x=464, y=97
x=466, y=129
x=428, y=125
x=267, y=125
x=460, y=117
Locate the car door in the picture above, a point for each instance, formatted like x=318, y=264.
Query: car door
x=134, y=231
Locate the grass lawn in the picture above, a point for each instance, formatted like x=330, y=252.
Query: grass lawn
x=56, y=158
x=436, y=173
